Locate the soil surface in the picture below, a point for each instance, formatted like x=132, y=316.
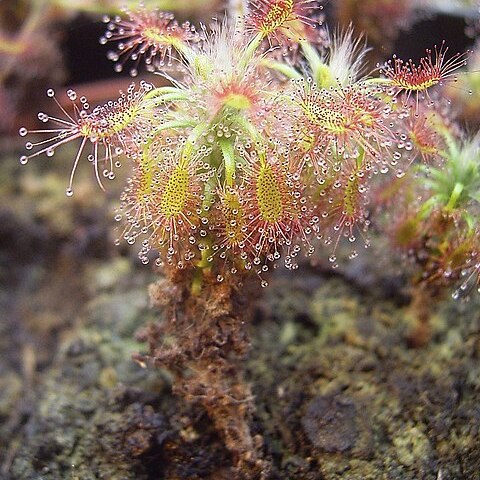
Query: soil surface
x=339, y=393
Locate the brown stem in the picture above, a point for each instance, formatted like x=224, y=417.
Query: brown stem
x=204, y=342
x=421, y=308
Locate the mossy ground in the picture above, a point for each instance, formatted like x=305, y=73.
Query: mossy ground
x=339, y=393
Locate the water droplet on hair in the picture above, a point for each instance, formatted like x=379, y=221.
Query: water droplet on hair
x=72, y=95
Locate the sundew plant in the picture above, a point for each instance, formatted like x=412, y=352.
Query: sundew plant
x=272, y=140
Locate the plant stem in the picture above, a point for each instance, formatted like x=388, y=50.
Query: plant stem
x=208, y=343
x=249, y=52
x=312, y=56
x=287, y=70
x=229, y=161
x=457, y=191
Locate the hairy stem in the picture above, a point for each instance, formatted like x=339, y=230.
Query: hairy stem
x=206, y=353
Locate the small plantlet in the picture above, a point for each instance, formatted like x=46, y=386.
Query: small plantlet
x=438, y=228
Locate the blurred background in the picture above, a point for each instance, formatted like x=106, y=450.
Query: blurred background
x=60, y=272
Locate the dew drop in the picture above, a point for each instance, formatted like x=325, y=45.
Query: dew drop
x=23, y=159
x=69, y=192
x=72, y=95
x=23, y=131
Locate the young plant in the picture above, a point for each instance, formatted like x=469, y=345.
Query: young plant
x=439, y=228
x=245, y=160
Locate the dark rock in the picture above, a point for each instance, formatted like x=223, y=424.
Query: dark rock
x=330, y=423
